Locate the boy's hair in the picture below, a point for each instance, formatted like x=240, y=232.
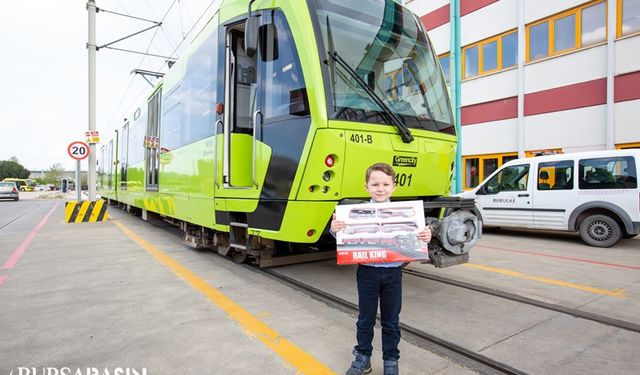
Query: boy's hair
x=382, y=167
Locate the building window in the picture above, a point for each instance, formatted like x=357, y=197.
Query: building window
x=509, y=50
x=478, y=167
x=444, y=62
x=628, y=17
x=471, y=60
x=489, y=55
x=539, y=41
x=594, y=26
x=566, y=31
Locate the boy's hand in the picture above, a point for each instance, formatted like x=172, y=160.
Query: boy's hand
x=425, y=235
x=338, y=225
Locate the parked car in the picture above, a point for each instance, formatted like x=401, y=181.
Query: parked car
x=22, y=183
x=9, y=190
x=594, y=193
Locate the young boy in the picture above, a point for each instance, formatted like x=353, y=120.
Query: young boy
x=381, y=281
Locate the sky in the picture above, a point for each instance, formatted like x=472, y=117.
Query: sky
x=44, y=69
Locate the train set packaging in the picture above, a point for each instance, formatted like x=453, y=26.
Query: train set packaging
x=381, y=233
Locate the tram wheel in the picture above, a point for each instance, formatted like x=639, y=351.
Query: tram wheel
x=239, y=256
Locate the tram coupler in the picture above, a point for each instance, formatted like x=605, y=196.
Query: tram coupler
x=440, y=259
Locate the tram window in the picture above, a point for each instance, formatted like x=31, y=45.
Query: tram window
x=200, y=91
x=284, y=87
x=245, y=84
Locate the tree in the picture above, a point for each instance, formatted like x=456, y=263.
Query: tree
x=54, y=174
x=12, y=169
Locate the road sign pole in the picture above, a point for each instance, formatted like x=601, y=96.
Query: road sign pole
x=78, y=182
x=91, y=46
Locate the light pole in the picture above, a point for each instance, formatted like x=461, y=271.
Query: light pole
x=91, y=46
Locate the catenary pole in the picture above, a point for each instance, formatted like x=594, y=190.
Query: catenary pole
x=91, y=46
x=455, y=69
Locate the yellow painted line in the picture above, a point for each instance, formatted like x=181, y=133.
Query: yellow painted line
x=291, y=353
x=566, y=284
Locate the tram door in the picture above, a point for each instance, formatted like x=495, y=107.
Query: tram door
x=241, y=155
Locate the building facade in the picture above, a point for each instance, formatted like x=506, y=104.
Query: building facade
x=540, y=76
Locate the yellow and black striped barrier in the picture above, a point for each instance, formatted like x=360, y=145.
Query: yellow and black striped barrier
x=85, y=211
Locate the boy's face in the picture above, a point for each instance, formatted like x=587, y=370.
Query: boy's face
x=380, y=186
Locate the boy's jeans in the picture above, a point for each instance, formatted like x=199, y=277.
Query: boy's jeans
x=385, y=283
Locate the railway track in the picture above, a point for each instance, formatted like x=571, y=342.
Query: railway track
x=529, y=301
x=458, y=354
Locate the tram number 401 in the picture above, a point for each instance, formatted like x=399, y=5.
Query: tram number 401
x=361, y=138
x=403, y=179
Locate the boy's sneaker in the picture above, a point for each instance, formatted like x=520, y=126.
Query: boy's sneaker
x=360, y=365
x=391, y=367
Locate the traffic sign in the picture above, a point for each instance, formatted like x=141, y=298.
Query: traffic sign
x=78, y=150
x=92, y=136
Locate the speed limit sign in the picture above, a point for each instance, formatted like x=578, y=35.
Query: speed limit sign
x=78, y=150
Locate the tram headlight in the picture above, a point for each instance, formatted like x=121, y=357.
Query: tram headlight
x=326, y=176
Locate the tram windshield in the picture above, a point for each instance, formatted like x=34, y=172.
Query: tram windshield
x=386, y=46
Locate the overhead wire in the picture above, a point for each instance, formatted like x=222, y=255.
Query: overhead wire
x=192, y=27
x=118, y=109
x=145, y=54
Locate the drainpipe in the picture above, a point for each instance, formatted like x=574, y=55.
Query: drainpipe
x=455, y=67
x=521, y=61
x=611, y=37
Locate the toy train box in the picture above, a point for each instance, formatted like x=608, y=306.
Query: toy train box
x=381, y=233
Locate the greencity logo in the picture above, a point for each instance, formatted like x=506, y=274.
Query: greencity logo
x=404, y=161
x=78, y=371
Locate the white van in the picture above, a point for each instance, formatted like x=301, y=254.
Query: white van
x=595, y=193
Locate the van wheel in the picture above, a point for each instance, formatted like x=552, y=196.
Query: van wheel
x=600, y=231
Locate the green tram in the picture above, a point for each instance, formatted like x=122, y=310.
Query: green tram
x=252, y=138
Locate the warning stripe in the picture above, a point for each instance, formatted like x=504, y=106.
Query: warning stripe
x=85, y=211
x=74, y=213
x=102, y=216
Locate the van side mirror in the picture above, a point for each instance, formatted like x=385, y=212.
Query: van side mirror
x=251, y=28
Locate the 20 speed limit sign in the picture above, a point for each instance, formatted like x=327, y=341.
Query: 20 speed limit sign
x=78, y=150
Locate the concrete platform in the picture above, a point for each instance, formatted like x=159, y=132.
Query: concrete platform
x=88, y=295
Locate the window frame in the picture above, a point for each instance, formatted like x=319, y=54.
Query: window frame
x=442, y=56
x=480, y=170
x=619, y=33
x=480, y=44
x=575, y=11
x=626, y=146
